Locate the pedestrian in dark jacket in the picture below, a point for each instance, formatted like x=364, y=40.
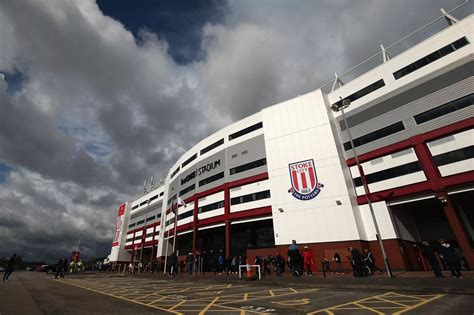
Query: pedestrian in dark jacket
x=190, y=263
x=173, y=265
x=9, y=270
x=370, y=261
x=356, y=259
x=448, y=253
x=59, y=269
x=428, y=253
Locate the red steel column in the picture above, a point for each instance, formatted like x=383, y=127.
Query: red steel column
x=457, y=227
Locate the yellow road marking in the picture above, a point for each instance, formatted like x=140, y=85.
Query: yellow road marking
x=117, y=297
x=393, y=302
x=208, y=306
x=419, y=300
x=368, y=308
x=293, y=302
x=418, y=305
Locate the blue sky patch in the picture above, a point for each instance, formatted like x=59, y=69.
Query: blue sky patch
x=179, y=22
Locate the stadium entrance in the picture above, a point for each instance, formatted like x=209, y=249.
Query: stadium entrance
x=431, y=219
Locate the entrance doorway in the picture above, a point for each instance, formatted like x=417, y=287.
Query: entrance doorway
x=211, y=239
x=421, y=220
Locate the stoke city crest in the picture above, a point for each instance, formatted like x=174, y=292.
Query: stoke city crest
x=304, y=181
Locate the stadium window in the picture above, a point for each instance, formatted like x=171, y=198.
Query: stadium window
x=250, y=197
x=188, y=189
x=171, y=199
x=211, y=179
x=454, y=156
x=154, y=197
x=446, y=50
x=376, y=135
x=143, y=203
x=150, y=218
x=192, y=158
x=162, y=193
x=158, y=215
x=131, y=225
x=134, y=207
x=389, y=173
x=245, y=131
x=445, y=109
x=363, y=92
x=174, y=172
x=149, y=235
x=210, y=207
x=140, y=222
x=212, y=146
x=185, y=215
x=248, y=166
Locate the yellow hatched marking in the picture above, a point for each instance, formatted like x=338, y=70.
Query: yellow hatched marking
x=117, y=297
x=419, y=300
x=208, y=306
x=418, y=305
x=180, y=303
x=368, y=308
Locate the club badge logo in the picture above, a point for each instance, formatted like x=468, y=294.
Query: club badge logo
x=304, y=181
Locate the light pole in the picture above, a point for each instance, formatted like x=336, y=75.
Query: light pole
x=335, y=107
x=145, y=229
x=146, y=216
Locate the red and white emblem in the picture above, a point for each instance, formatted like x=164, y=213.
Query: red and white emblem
x=304, y=181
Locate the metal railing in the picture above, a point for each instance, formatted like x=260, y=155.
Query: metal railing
x=406, y=42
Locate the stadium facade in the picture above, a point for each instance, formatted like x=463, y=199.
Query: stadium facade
x=288, y=172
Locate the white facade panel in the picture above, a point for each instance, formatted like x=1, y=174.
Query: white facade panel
x=451, y=142
x=457, y=167
x=290, y=129
x=384, y=221
x=249, y=189
x=219, y=196
x=399, y=181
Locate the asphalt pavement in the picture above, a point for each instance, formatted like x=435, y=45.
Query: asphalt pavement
x=112, y=293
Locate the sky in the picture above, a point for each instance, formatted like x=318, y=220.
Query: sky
x=96, y=97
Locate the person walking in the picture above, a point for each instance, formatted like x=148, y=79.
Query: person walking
x=173, y=264
x=428, y=253
x=278, y=262
x=294, y=255
x=448, y=253
x=9, y=270
x=356, y=259
x=308, y=262
x=370, y=261
x=190, y=263
x=337, y=260
x=59, y=269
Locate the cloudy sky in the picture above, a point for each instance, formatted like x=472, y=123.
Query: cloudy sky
x=97, y=96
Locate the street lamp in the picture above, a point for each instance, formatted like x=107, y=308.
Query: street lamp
x=340, y=107
x=145, y=229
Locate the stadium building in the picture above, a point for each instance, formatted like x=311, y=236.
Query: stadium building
x=288, y=172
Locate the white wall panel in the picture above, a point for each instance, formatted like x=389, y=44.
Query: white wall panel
x=451, y=142
x=307, y=135
x=457, y=167
x=210, y=214
x=384, y=221
x=399, y=181
x=219, y=196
